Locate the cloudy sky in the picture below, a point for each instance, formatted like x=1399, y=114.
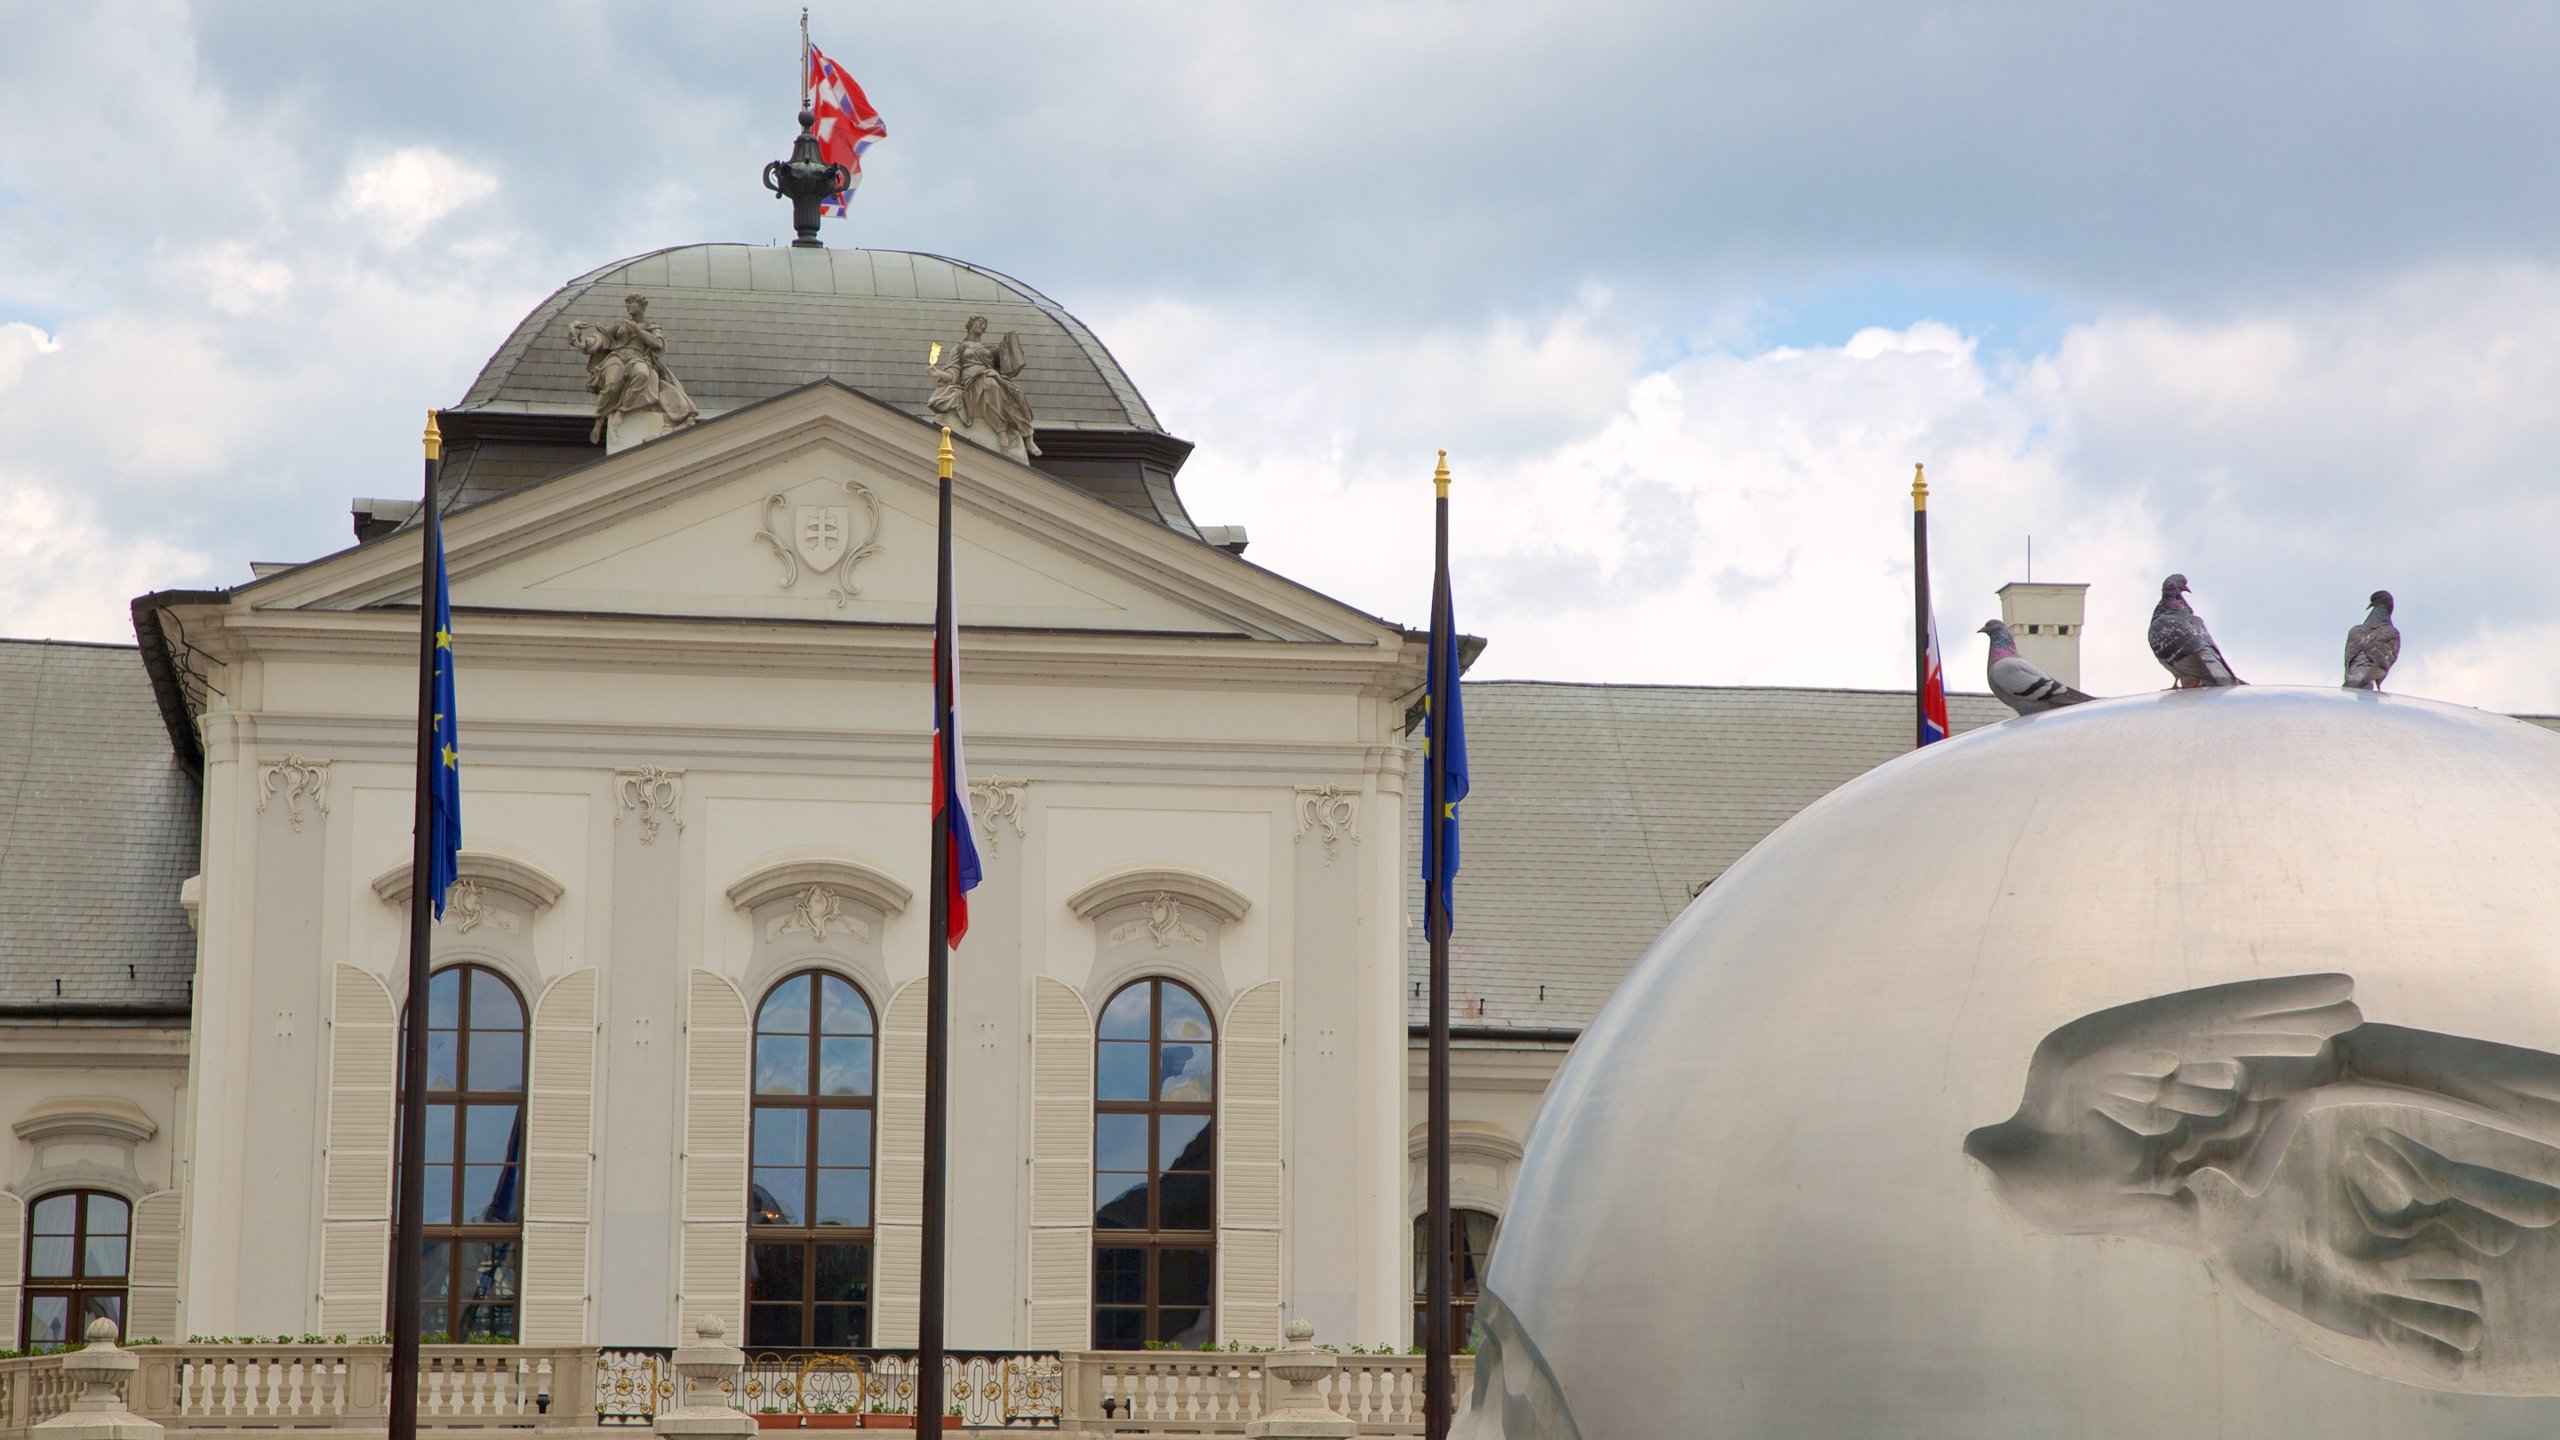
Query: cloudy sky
x=2269, y=294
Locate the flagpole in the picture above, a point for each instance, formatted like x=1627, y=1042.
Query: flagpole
x=804, y=57
x=1439, y=1367
x=409, y=1202
x=937, y=991
x=1920, y=604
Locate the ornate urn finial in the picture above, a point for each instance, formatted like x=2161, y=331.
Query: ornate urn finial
x=805, y=180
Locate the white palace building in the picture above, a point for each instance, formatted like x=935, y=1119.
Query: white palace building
x=676, y=1037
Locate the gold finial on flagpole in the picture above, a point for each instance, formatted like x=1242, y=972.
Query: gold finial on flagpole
x=434, y=437
x=1440, y=477
x=942, y=457
x=1919, y=486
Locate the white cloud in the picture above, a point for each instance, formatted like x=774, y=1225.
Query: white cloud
x=408, y=190
x=64, y=575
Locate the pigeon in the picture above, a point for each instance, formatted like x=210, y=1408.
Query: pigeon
x=2184, y=647
x=2019, y=684
x=2373, y=645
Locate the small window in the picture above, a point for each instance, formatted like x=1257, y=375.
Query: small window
x=79, y=1247
x=1470, y=1249
x=2061, y=629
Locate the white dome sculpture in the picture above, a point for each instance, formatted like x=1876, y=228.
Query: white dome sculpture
x=2180, y=1065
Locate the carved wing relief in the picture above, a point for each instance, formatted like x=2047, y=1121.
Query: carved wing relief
x=2388, y=1197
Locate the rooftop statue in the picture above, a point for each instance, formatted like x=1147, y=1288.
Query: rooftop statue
x=976, y=393
x=637, y=397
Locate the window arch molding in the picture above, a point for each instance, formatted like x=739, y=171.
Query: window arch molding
x=1474, y=1145
x=529, y=884
x=810, y=909
x=1158, y=921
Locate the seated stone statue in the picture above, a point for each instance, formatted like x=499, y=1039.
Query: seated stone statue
x=977, y=395
x=637, y=397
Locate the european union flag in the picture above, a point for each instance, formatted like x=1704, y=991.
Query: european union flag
x=1444, y=745
x=444, y=787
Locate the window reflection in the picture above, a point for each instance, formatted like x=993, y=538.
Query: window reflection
x=476, y=1048
x=1154, y=1193
x=810, y=1182
x=79, y=1243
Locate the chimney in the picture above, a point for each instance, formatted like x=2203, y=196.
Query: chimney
x=2046, y=622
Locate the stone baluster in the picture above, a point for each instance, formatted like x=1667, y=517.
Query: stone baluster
x=1300, y=1410
x=98, y=1411
x=703, y=1369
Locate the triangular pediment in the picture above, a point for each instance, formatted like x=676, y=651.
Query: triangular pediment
x=820, y=505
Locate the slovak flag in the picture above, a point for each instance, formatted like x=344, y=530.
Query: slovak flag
x=951, y=773
x=1933, y=689
x=846, y=124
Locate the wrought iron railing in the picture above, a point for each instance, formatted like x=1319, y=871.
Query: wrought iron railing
x=1017, y=1389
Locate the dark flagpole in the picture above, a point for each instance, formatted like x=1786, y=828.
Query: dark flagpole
x=409, y=1200
x=1439, y=1367
x=937, y=995
x=1920, y=604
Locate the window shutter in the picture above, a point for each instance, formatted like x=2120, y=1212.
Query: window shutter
x=355, y=1219
x=1249, y=1168
x=897, y=1245
x=559, y=1156
x=13, y=1265
x=712, y=1274
x=151, y=1296
x=1061, y=1276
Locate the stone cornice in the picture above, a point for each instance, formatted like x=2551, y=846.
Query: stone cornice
x=523, y=879
x=110, y=1116
x=1137, y=883
x=779, y=875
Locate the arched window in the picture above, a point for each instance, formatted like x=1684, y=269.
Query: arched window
x=809, y=1194
x=474, y=1216
x=79, y=1243
x=1470, y=1247
x=1155, y=1095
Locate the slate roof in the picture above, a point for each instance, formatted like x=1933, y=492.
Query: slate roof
x=98, y=829
x=1596, y=809
x=744, y=322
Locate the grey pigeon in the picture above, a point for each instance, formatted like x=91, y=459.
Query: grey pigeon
x=2182, y=644
x=2373, y=646
x=2016, y=680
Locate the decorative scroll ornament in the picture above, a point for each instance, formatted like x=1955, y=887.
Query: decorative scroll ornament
x=1161, y=923
x=830, y=539
x=295, y=777
x=817, y=911
x=998, y=800
x=467, y=906
x=655, y=792
x=1332, y=812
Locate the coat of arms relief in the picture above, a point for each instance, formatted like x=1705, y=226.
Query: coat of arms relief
x=825, y=539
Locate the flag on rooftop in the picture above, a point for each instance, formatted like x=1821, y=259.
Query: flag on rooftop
x=846, y=123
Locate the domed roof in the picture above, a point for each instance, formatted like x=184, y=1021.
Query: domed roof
x=745, y=322
x=2179, y=1064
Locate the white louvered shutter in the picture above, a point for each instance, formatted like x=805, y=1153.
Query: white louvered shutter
x=13, y=1264
x=355, y=1220
x=151, y=1305
x=712, y=1274
x=559, y=1162
x=1249, y=1169
x=897, y=1244
x=1061, y=1281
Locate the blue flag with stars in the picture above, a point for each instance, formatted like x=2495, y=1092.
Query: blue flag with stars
x=1444, y=746
x=445, y=790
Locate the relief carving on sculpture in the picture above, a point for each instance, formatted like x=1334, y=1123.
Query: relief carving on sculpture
x=1162, y=923
x=816, y=911
x=827, y=537
x=977, y=394
x=637, y=397
x=2389, y=1198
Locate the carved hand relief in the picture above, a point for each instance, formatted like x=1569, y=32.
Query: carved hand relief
x=829, y=539
x=467, y=908
x=296, y=777
x=998, y=800
x=1332, y=812
x=654, y=792
x=817, y=912
x=2389, y=1198
x=1162, y=923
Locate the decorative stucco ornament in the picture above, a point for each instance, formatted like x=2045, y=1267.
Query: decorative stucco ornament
x=977, y=395
x=637, y=397
x=2177, y=1064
